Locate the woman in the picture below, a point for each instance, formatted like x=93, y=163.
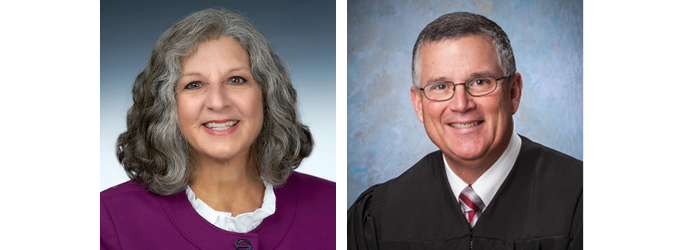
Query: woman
x=212, y=140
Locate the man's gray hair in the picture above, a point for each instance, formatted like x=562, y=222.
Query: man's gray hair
x=462, y=24
x=154, y=150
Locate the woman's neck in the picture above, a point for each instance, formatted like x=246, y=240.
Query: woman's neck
x=227, y=186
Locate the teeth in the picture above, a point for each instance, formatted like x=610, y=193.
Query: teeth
x=465, y=125
x=220, y=126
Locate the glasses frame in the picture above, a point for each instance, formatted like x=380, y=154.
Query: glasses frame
x=454, y=86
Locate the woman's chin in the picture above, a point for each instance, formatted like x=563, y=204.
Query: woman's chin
x=221, y=156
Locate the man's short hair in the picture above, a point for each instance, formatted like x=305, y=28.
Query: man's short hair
x=462, y=24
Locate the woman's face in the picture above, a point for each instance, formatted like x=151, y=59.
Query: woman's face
x=219, y=103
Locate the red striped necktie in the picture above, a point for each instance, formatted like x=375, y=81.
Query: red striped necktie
x=471, y=204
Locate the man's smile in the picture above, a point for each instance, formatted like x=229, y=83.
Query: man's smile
x=465, y=125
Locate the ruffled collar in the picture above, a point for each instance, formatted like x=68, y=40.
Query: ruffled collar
x=243, y=223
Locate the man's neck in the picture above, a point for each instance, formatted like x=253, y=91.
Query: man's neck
x=487, y=184
x=468, y=174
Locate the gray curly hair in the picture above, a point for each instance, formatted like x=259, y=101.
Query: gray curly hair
x=461, y=24
x=154, y=150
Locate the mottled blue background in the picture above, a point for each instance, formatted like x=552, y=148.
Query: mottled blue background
x=301, y=32
x=385, y=137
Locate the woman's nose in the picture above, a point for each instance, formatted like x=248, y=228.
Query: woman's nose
x=218, y=98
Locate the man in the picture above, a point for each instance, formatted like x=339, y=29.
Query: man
x=487, y=187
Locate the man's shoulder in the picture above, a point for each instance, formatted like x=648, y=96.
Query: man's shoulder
x=535, y=154
x=549, y=170
x=427, y=176
x=408, y=206
x=429, y=166
x=529, y=146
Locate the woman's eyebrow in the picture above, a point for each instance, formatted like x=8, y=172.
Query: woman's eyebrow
x=239, y=69
x=229, y=71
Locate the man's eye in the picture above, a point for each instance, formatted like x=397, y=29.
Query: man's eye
x=194, y=85
x=483, y=82
x=440, y=86
x=236, y=80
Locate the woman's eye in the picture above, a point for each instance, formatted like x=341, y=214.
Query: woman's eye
x=194, y=85
x=236, y=80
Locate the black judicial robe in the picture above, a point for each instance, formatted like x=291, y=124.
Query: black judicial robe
x=539, y=206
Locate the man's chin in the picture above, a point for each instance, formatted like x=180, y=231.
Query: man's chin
x=465, y=158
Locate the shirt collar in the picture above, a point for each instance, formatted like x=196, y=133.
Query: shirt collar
x=243, y=223
x=487, y=184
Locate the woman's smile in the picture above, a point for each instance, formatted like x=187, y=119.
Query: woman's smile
x=220, y=129
x=221, y=125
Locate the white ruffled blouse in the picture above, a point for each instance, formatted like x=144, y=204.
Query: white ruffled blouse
x=243, y=223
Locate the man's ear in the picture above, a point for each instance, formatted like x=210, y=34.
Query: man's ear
x=416, y=99
x=515, y=91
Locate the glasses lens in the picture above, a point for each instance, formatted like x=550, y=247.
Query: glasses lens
x=482, y=86
x=438, y=91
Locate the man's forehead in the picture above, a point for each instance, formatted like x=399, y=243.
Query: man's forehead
x=465, y=58
x=451, y=40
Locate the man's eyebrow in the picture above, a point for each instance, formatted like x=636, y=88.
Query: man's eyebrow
x=438, y=79
x=484, y=73
x=472, y=76
x=229, y=71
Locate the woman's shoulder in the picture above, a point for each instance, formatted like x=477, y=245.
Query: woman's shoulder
x=309, y=181
x=126, y=188
x=133, y=218
x=128, y=197
x=313, y=209
x=312, y=191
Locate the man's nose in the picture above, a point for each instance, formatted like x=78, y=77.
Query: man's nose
x=461, y=100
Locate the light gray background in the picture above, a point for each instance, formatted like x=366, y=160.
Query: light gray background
x=385, y=137
x=301, y=32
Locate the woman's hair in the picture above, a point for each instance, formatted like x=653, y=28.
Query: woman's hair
x=154, y=150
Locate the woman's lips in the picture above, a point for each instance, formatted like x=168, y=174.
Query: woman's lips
x=220, y=127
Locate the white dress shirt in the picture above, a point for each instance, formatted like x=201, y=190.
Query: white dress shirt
x=243, y=223
x=487, y=184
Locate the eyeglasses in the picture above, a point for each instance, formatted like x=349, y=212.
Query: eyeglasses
x=443, y=91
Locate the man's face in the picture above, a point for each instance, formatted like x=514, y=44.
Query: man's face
x=471, y=131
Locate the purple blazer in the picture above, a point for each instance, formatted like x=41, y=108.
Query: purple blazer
x=133, y=218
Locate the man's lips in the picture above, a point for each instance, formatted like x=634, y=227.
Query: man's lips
x=465, y=124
